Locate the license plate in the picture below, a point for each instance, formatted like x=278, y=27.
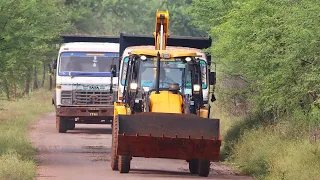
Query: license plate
x=94, y=114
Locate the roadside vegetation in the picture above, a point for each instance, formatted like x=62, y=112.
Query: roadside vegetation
x=268, y=88
x=16, y=118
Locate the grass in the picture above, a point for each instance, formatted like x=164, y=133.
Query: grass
x=16, y=151
x=271, y=151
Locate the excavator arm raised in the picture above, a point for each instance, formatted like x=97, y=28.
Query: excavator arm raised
x=162, y=30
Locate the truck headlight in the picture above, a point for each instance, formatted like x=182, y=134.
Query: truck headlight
x=133, y=86
x=196, y=87
x=65, y=101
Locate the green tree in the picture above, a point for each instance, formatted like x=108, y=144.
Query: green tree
x=272, y=45
x=29, y=29
x=111, y=17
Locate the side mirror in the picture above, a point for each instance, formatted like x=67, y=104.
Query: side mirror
x=213, y=98
x=113, y=69
x=212, y=78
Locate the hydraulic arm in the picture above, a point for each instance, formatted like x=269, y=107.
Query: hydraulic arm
x=161, y=31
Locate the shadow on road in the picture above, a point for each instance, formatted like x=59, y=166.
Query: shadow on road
x=163, y=173
x=90, y=130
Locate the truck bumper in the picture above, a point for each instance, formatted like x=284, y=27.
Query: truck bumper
x=87, y=114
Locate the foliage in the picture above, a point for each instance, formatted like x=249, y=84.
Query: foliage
x=273, y=49
x=281, y=151
x=268, y=59
x=16, y=152
x=131, y=16
x=28, y=33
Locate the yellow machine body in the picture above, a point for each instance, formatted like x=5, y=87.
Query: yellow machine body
x=166, y=102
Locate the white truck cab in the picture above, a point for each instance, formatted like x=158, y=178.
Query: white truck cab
x=86, y=74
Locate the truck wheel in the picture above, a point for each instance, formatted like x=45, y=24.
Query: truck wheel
x=204, y=168
x=114, y=157
x=61, y=124
x=124, y=164
x=193, y=166
x=71, y=125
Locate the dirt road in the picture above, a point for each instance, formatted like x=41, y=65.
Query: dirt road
x=84, y=153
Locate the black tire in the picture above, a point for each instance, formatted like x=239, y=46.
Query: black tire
x=114, y=157
x=204, y=168
x=193, y=166
x=124, y=164
x=61, y=124
x=71, y=125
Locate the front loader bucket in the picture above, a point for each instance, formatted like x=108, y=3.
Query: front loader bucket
x=167, y=135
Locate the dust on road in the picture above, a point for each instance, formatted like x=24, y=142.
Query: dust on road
x=84, y=153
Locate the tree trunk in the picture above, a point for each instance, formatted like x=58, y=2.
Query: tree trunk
x=6, y=88
x=50, y=82
x=44, y=74
x=14, y=87
x=35, y=79
x=28, y=81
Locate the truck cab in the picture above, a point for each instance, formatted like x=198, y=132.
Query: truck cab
x=86, y=74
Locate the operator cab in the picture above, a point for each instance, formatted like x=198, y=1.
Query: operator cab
x=172, y=69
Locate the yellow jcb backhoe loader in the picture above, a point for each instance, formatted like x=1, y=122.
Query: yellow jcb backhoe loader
x=168, y=119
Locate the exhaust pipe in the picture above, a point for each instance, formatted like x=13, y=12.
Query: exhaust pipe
x=158, y=73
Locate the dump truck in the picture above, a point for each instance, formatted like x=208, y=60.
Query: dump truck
x=86, y=74
x=167, y=117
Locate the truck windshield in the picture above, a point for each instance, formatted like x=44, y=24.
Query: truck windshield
x=86, y=63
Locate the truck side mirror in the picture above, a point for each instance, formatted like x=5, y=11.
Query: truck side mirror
x=113, y=69
x=212, y=78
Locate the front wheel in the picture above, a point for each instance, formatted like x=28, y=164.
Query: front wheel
x=61, y=124
x=114, y=157
x=204, y=168
x=193, y=166
x=124, y=164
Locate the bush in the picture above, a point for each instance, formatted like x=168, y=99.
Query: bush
x=13, y=167
x=279, y=151
x=16, y=151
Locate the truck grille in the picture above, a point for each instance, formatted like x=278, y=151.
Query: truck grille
x=92, y=97
x=66, y=95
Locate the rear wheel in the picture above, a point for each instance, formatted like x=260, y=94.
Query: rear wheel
x=114, y=157
x=124, y=164
x=193, y=166
x=204, y=168
x=61, y=124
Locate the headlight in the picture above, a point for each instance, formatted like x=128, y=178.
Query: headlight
x=133, y=86
x=188, y=59
x=146, y=89
x=196, y=87
x=143, y=58
x=65, y=101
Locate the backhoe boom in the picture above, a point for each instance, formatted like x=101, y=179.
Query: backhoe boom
x=162, y=30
